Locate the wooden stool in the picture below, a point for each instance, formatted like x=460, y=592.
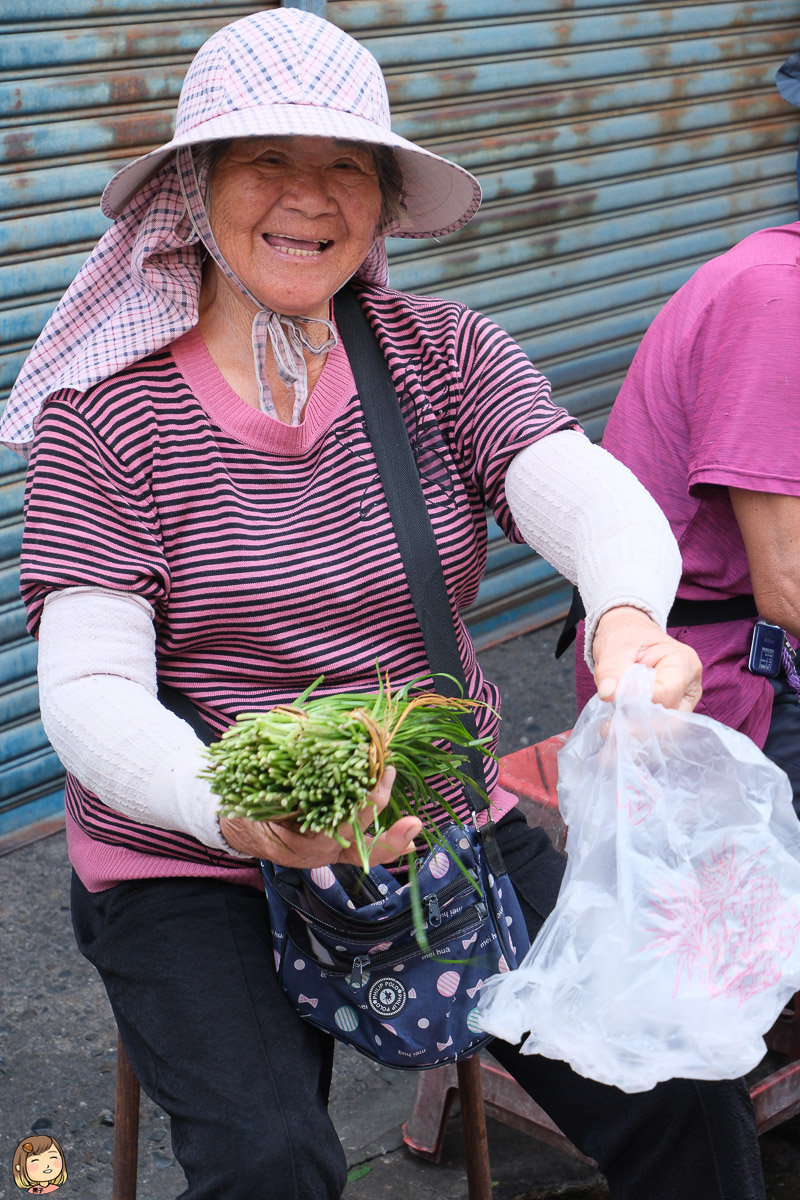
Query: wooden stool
x=467, y=1077
x=501, y=1097
x=126, y=1128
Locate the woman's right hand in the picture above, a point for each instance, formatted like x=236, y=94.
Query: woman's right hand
x=625, y=636
x=284, y=844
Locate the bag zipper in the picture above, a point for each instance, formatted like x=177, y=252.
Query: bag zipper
x=434, y=910
x=357, y=967
x=358, y=972
x=356, y=931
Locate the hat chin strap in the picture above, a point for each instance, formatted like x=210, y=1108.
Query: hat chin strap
x=286, y=335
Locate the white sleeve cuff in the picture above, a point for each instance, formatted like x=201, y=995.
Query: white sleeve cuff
x=591, y=519
x=97, y=693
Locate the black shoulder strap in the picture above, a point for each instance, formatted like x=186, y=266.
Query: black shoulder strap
x=180, y=704
x=410, y=519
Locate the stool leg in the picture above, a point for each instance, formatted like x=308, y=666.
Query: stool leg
x=473, y=1122
x=126, y=1128
x=424, y=1130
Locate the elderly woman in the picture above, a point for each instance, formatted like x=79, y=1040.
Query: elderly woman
x=204, y=509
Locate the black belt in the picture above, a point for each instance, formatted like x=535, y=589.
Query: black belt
x=683, y=612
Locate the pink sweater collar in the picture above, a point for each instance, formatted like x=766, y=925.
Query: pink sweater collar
x=332, y=392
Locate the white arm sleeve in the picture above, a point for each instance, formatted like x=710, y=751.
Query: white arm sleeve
x=592, y=520
x=97, y=693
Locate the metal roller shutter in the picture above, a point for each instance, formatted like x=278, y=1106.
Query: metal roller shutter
x=85, y=85
x=619, y=145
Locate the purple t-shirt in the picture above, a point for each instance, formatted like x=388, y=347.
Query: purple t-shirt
x=710, y=403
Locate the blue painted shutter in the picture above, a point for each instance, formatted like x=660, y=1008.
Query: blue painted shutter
x=619, y=145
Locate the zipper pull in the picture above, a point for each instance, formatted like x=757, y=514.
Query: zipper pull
x=358, y=975
x=434, y=911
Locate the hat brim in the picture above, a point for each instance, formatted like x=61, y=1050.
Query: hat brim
x=439, y=196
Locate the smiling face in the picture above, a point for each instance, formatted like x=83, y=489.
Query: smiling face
x=294, y=218
x=44, y=1167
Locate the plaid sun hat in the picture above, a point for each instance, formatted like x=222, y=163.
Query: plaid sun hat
x=288, y=72
x=281, y=72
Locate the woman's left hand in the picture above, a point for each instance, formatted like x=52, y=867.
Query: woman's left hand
x=284, y=844
x=625, y=636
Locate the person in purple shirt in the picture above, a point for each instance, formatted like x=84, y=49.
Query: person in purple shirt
x=707, y=421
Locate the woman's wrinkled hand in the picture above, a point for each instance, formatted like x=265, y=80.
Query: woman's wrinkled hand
x=625, y=636
x=284, y=844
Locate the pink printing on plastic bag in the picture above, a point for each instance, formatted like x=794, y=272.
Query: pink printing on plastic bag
x=674, y=943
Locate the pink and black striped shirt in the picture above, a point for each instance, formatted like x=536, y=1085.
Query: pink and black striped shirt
x=265, y=549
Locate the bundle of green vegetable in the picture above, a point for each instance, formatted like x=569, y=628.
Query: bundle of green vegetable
x=315, y=761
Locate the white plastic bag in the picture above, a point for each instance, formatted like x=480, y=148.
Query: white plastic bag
x=674, y=943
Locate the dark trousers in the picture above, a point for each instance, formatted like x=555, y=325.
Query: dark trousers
x=188, y=968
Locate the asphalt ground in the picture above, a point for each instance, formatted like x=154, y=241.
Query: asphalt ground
x=58, y=1038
